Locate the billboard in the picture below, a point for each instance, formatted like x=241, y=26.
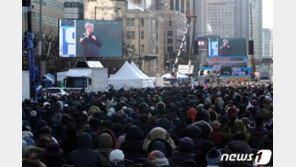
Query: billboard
x=184, y=69
x=90, y=38
x=227, y=47
x=226, y=60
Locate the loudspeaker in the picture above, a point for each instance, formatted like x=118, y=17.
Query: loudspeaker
x=195, y=49
x=251, y=47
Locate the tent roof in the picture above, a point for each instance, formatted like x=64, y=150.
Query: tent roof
x=126, y=72
x=138, y=70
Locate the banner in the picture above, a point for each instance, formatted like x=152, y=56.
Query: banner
x=227, y=60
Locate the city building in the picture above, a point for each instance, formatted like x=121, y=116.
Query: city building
x=142, y=5
x=201, y=19
x=267, y=43
x=228, y=18
x=52, y=11
x=73, y=9
x=178, y=5
x=256, y=20
x=175, y=27
x=221, y=16
x=104, y=10
x=173, y=13
x=143, y=32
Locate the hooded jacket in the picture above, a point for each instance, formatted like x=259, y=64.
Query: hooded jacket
x=184, y=152
x=202, y=115
x=132, y=146
x=194, y=132
x=106, y=144
x=84, y=156
x=33, y=154
x=205, y=128
x=192, y=113
x=237, y=146
x=228, y=133
x=158, y=133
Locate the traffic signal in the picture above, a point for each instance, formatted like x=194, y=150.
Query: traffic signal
x=251, y=47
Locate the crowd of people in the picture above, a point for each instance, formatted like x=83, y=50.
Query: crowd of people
x=159, y=127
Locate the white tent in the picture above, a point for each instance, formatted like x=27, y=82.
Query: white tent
x=149, y=80
x=179, y=75
x=127, y=78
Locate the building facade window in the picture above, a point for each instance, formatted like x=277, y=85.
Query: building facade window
x=177, y=5
x=130, y=34
x=170, y=23
x=130, y=22
x=142, y=22
x=142, y=34
x=170, y=49
x=170, y=33
x=170, y=41
x=172, y=5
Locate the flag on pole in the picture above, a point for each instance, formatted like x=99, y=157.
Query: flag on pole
x=193, y=84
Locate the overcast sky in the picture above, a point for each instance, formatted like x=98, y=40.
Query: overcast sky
x=267, y=13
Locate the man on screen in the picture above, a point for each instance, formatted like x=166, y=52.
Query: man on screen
x=225, y=50
x=90, y=42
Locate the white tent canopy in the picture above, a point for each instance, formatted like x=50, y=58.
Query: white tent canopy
x=179, y=75
x=149, y=80
x=138, y=70
x=127, y=77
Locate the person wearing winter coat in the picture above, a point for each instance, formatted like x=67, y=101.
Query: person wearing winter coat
x=205, y=128
x=52, y=156
x=158, y=133
x=257, y=133
x=239, y=146
x=163, y=146
x=194, y=132
x=213, y=157
x=202, y=114
x=228, y=133
x=84, y=156
x=106, y=144
x=132, y=146
x=215, y=134
x=192, y=113
x=184, y=152
x=32, y=156
x=69, y=143
x=158, y=159
x=117, y=158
